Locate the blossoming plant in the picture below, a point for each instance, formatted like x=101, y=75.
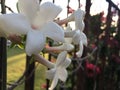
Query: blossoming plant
x=36, y=22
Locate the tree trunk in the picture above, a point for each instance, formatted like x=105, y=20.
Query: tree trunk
x=29, y=76
x=3, y=55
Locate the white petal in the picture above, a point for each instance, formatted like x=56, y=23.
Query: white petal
x=79, y=16
x=43, y=61
x=83, y=38
x=29, y=8
x=14, y=24
x=67, y=47
x=35, y=42
x=61, y=58
x=71, y=17
x=66, y=63
x=64, y=46
x=76, y=37
x=68, y=29
x=50, y=73
x=48, y=12
x=62, y=74
x=53, y=31
x=69, y=33
x=68, y=40
x=80, y=52
x=54, y=82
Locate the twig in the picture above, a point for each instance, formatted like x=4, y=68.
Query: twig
x=8, y=8
x=113, y=4
x=80, y=61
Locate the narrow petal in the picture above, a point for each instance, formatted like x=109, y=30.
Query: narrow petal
x=66, y=63
x=71, y=17
x=79, y=16
x=35, y=42
x=61, y=58
x=50, y=73
x=54, y=82
x=68, y=39
x=83, y=38
x=76, y=37
x=62, y=74
x=53, y=31
x=29, y=8
x=14, y=24
x=69, y=33
x=80, y=52
x=48, y=12
x=43, y=61
x=63, y=47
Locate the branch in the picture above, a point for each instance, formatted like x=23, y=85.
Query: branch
x=114, y=5
x=8, y=8
x=20, y=80
x=79, y=61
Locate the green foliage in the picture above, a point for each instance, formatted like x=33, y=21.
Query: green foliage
x=16, y=66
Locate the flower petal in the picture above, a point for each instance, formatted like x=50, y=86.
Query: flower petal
x=53, y=31
x=29, y=8
x=64, y=46
x=61, y=58
x=68, y=39
x=79, y=16
x=80, y=52
x=50, y=73
x=48, y=12
x=14, y=24
x=76, y=37
x=66, y=63
x=54, y=82
x=35, y=42
x=62, y=74
x=69, y=33
x=83, y=38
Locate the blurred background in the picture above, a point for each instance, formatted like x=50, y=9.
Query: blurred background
x=99, y=66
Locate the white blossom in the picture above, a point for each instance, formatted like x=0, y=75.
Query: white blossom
x=59, y=71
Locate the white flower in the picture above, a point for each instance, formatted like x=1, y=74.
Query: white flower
x=59, y=71
x=79, y=38
x=78, y=17
x=65, y=46
x=35, y=21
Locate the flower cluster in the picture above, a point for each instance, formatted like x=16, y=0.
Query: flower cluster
x=92, y=69
x=37, y=23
